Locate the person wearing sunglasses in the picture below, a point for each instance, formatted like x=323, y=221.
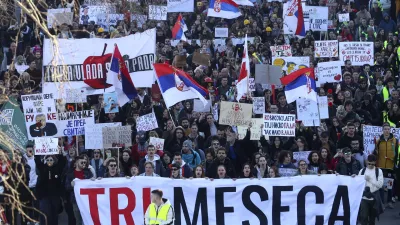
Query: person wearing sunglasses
x=112, y=169
x=371, y=203
x=30, y=160
x=79, y=171
x=175, y=171
x=49, y=186
x=348, y=165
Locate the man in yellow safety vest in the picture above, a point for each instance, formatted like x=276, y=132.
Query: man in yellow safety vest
x=160, y=210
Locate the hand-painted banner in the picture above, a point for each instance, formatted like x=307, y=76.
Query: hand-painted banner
x=359, y=53
x=266, y=201
x=291, y=64
x=120, y=136
x=38, y=103
x=46, y=146
x=372, y=133
x=83, y=65
x=258, y=105
x=307, y=112
x=283, y=125
x=94, y=134
x=281, y=50
x=329, y=72
x=235, y=114
x=146, y=122
x=326, y=49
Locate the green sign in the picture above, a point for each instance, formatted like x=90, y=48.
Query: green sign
x=12, y=127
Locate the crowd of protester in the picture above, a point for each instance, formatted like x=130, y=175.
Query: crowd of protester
x=196, y=146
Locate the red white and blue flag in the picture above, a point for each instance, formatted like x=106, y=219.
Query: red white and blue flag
x=227, y=9
x=300, y=84
x=179, y=29
x=242, y=85
x=119, y=77
x=294, y=18
x=177, y=86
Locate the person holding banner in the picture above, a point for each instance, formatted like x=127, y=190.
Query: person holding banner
x=160, y=211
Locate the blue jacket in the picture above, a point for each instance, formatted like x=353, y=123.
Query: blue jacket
x=387, y=25
x=192, y=159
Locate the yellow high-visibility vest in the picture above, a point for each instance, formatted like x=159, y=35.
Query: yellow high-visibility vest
x=385, y=93
x=386, y=119
x=157, y=217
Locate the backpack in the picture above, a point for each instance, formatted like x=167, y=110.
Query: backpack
x=376, y=172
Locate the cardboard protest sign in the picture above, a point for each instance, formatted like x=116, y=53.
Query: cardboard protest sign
x=158, y=12
x=12, y=127
x=307, y=112
x=281, y=50
x=199, y=107
x=38, y=103
x=318, y=18
x=201, y=59
x=89, y=14
x=75, y=95
x=180, y=5
x=180, y=61
x=323, y=107
x=301, y=156
x=215, y=109
x=221, y=32
x=255, y=130
x=73, y=123
x=291, y=64
x=111, y=102
x=359, y=53
x=283, y=125
x=371, y=133
x=242, y=130
x=258, y=105
x=56, y=17
x=106, y=20
x=94, y=134
x=344, y=17
x=157, y=142
x=46, y=146
x=235, y=114
x=287, y=172
x=117, y=136
x=329, y=72
x=326, y=49
x=388, y=183
x=146, y=122
x=268, y=74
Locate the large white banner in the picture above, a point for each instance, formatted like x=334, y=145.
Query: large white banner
x=84, y=66
x=326, y=199
x=359, y=53
x=180, y=5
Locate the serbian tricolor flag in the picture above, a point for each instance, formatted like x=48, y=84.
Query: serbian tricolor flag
x=227, y=9
x=243, y=81
x=119, y=77
x=178, y=31
x=300, y=84
x=177, y=86
x=300, y=30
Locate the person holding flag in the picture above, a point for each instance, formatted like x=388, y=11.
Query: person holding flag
x=300, y=84
x=179, y=29
x=177, y=86
x=119, y=77
x=242, y=85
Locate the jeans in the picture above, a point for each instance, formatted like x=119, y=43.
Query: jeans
x=50, y=207
x=77, y=214
x=367, y=212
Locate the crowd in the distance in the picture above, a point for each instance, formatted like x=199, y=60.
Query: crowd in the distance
x=195, y=144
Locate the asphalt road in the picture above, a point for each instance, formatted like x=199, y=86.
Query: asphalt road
x=389, y=217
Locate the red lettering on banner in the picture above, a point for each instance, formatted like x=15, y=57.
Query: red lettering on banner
x=146, y=199
x=92, y=195
x=127, y=212
x=51, y=116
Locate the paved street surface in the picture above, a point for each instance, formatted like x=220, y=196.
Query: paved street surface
x=389, y=217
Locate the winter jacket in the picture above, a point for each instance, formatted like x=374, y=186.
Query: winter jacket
x=185, y=170
x=341, y=167
x=230, y=169
x=386, y=151
x=191, y=158
x=49, y=182
x=99, y=169
x=388, y=25
x=158, y=167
